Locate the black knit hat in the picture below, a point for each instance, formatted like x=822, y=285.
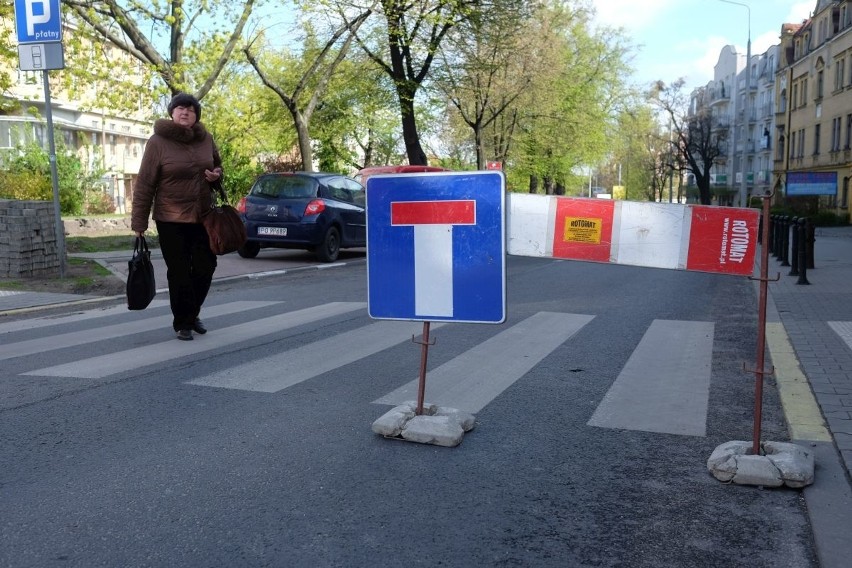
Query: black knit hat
x=185, y=100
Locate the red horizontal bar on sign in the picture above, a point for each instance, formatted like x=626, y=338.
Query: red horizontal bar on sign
x=459, y=212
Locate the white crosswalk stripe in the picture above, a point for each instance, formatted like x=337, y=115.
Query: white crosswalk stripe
x=282, y=370
x=105, y=365
x=472, y=380
x=72, y=339
x=844, y=330
x=38, y=323
x=663, y=387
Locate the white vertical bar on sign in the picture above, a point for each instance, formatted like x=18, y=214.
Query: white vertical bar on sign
x=433, y=270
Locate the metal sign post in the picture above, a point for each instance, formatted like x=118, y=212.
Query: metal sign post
x=39, y=27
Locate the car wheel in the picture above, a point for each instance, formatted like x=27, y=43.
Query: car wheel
x=329, y=248
x=249, y=250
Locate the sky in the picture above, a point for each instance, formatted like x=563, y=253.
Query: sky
x=683, y=38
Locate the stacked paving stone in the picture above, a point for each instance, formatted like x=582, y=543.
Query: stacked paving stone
x=28, y=247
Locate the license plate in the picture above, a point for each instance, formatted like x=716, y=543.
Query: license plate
x=276, y=231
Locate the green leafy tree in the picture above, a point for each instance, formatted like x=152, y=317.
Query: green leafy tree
x=141, y=28
x=8, y=54
x=638, y=152
x=563, y=121
x=301, y=95
x=29, y=166
x=697, y=142
x=403, y=42
x=357, y=125
x=485, y=65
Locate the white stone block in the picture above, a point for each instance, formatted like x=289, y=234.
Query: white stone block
x=438, y=430
x=392, y=422
x=465, y=419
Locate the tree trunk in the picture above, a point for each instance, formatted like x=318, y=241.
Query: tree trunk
x=480, y=149
x=304, y=139
x=413, y=149
x=533, y=184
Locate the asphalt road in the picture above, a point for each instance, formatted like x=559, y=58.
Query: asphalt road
x=117, y=451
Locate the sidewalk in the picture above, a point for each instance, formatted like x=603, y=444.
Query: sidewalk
x=269, y=262
x=809, y=336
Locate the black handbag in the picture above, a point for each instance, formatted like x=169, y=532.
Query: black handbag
x=225, y=229
x=141, y=286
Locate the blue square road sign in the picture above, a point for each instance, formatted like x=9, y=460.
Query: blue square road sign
x=38, y=21
x=436, y=247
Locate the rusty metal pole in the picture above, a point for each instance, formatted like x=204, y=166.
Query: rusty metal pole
x=424, y=355
x=761, y=330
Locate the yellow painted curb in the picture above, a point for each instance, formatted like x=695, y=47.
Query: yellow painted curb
x=804, y=418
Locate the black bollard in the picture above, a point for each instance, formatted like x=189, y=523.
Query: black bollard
x=775, y=227
x=811, y=232
x=772, y=227
x=794, y=270
x=785, y=254
x=803, y=253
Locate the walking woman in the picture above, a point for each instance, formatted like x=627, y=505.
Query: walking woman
x=179, y=162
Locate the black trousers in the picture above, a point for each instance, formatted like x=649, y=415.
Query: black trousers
x=190, y=265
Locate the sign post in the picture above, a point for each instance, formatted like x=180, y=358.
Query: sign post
x=436, y=250
x=39, y=28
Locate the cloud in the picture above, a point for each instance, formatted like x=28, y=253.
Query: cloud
x=623, y=13
x=799, y=11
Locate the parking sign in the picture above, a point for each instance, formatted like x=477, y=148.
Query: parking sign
x=38, y=21
x=436, y=247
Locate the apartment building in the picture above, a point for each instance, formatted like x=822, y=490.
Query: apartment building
x=813, y=115
x=743, y=113
x=103, y=140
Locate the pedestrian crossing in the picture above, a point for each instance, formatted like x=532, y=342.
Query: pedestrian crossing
x=660, y=388
x=844, y=330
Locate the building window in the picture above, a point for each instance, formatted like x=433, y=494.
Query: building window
x=848, y=143
x=820, y=77
x=836, y=125
x=839, y=68
x=5, y=135
x=802, y=143
x=816, y=138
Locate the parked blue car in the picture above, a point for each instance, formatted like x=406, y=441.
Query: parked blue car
x=316, y=211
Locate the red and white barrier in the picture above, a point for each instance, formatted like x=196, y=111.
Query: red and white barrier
x=659, y=235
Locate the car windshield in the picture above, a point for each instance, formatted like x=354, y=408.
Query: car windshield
x=284, y=187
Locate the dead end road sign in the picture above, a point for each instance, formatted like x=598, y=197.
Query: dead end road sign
x=436, y=247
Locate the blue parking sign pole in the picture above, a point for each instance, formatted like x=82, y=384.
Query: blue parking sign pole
x=39, y=28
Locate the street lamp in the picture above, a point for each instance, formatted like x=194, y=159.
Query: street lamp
x=743, y=188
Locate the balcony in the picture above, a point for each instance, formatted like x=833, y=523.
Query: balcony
x=749, y=178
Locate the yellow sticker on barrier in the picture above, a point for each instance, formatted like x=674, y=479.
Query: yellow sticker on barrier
x=582, y=230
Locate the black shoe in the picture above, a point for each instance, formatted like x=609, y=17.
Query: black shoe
x=184, y=334
x=198, y=327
